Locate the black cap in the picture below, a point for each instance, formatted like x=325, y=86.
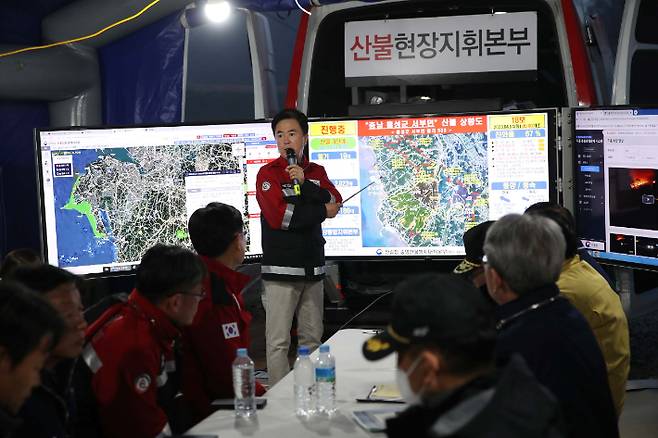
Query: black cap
x=473, y=245
x=433, y=308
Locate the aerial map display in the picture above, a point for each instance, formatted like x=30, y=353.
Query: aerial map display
x=131, y=198
x=110, y=194
x=115, y=193
x=431, y=187
x=429, y=179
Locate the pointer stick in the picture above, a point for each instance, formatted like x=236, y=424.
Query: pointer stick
x=357, y=193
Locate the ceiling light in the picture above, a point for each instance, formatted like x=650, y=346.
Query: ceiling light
x=217, y=11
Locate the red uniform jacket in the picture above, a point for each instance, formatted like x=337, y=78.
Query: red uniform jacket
x=130, y=352
x=220, y=327
x=293, y=246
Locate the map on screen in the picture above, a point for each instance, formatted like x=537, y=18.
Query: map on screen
x=432, y=178
x=431, y=187
x=109, y=194
x=130, y=198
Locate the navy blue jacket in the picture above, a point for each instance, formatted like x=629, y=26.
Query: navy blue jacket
x=560, y=349
x=49, y=410
x=506, y=404
x=8, y=424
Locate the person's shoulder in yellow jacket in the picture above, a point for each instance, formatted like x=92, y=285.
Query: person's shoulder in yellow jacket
x=591, y=294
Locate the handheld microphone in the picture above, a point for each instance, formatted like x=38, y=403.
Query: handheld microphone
x=292, y=161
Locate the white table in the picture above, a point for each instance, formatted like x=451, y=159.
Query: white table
x=355, y=376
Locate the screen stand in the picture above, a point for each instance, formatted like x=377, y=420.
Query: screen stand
x=625, y=286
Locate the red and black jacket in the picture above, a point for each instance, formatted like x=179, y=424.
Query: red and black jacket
x=220, y=327
x=130, y=360
x=293, y=246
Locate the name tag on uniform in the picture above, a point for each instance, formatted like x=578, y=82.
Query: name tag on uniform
x=231, y=330
x=315, y=181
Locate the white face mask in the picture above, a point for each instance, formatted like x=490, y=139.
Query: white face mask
x=402, y=380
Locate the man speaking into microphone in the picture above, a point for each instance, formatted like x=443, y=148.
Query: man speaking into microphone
x=295, y=196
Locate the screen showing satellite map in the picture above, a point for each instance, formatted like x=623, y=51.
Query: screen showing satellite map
x=429, y=179
x=110, y=194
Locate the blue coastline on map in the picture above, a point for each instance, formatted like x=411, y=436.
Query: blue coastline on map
x=374, y=232
x=82, y=158
x=76, y=243
x=120, y=154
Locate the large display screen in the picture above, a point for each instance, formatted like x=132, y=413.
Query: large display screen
x=432, y=178
x=616, y=173
x=108, y=194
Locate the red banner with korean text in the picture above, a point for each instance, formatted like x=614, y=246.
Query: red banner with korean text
x=423, y=125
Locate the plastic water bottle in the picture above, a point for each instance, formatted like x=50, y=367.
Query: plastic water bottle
x=304, y=374
x=325, y=381
x=244, y=384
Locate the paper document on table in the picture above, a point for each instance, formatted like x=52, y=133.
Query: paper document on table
x=383, y=393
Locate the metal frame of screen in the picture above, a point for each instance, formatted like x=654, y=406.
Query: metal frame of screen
x=41, y=187
x=554, y=167
x=605, y=256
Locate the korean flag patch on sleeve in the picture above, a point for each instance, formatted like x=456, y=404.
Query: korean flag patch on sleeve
x=231, y=330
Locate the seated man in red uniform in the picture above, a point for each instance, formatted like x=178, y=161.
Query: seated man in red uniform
x=131, y=349
x=221, y=325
